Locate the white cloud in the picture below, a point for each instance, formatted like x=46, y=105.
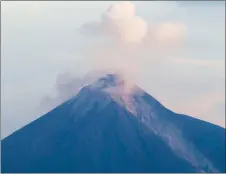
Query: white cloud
x=121, y=22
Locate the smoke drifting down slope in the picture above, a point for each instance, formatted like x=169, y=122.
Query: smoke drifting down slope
x=68, y=85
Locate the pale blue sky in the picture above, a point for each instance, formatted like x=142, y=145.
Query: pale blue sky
x=41, y=40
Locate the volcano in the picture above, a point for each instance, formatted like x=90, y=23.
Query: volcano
x=110, y=126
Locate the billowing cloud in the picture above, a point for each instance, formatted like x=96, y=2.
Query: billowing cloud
x=121, y=22
x=129, y=39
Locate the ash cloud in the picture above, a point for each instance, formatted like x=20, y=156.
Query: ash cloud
x=121, y=23
x=129, y=40
x=125, y=37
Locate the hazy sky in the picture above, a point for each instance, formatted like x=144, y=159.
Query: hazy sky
x=41, y=40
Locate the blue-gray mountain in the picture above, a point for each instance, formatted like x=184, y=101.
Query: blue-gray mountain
x=103, y=129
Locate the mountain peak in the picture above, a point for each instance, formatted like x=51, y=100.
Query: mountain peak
x=108, y=128
x=110, y=80
x=116, y=87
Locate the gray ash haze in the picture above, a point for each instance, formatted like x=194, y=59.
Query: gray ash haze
x=173, y=50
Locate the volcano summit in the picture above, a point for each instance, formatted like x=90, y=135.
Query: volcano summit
x=113, y=126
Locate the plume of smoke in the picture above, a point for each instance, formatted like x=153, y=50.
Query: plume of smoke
x=128, y=37
x=121, y=21
x=125, y=37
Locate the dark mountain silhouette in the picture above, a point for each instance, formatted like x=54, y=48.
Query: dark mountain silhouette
x=104, y=129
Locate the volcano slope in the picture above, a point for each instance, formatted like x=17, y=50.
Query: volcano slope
x=103, y=129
